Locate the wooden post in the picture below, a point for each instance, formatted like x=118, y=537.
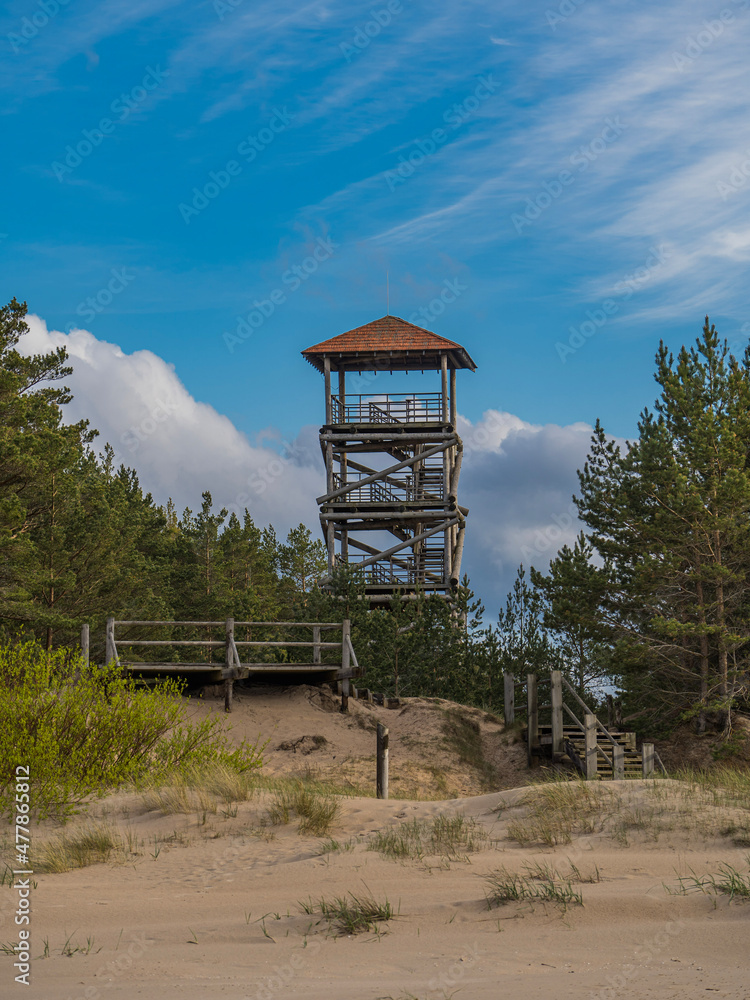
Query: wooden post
x=630, y=741
x=557, y=713
x=316, y=647
x=618, y=713
x=509, y=695
x=345, y=639
x=228, y=653
x=327, y=377
x=382, y=767
x=592, y=764
x=532, y=714
x=229, y=665
x=647, y=759
x=85, y=645
x=110, y=647
x=444, y=385
x=343, y=465
x=618, y=762
x=454, y=413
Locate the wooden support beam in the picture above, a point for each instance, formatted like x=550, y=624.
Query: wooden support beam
x=557, y=712
x=618, y=762
x=85, y=645
x=110, y=654
x=327, y=377
x=592, y=753
x=509, y=695
x=532, y=714
x=228, y=694
x=444, y=386
x=229, y=643
x=454, y=411
x=381, y=787
x=316, y=644
x=647, y=759
x=458, y=556
x=326, y=498
x=401, y=545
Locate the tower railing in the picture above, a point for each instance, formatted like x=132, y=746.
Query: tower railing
x=388, y=408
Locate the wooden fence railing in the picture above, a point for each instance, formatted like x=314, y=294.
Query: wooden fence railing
x=233, y=667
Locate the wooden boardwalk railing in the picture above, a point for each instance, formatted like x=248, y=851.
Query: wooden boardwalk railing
x=232, y=667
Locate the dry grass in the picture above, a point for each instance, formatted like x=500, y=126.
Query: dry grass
x=91, y=845
x=317, y=812
x=199, y=791
x=451, y=837
x=705, y=805
x=559, y=809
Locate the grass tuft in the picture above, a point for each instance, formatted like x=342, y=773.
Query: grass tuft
x=91, y=845
x=351, y=914
x=445, y=836
x=504, y=886
x=317, y=812
x=727, y=881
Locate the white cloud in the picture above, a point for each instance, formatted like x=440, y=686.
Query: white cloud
x=517, y=477
x=179, y=445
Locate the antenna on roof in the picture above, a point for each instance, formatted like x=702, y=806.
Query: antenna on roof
x=387, y=293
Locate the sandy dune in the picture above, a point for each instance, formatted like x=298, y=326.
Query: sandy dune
x=183, y=919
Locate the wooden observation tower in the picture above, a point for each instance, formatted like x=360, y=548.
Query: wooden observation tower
x=392, y=460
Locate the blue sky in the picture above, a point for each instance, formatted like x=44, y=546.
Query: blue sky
x=576, y=174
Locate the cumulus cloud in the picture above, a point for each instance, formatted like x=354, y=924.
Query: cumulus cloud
x=517, y=477
x=518, y=480
x=179, y=445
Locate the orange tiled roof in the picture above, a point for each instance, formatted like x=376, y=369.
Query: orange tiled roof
x=390, y=337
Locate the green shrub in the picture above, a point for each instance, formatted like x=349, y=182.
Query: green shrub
x=85, y=730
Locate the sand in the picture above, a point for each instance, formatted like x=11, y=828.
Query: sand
x=216, y=912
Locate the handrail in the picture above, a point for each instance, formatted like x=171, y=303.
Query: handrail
x=570, y=713
x=351, y=651
x=328, y=625
x=583, y=704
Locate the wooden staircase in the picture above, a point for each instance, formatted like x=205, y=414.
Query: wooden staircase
x=574, y=744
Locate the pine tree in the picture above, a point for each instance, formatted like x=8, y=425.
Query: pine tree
x=670, y=515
